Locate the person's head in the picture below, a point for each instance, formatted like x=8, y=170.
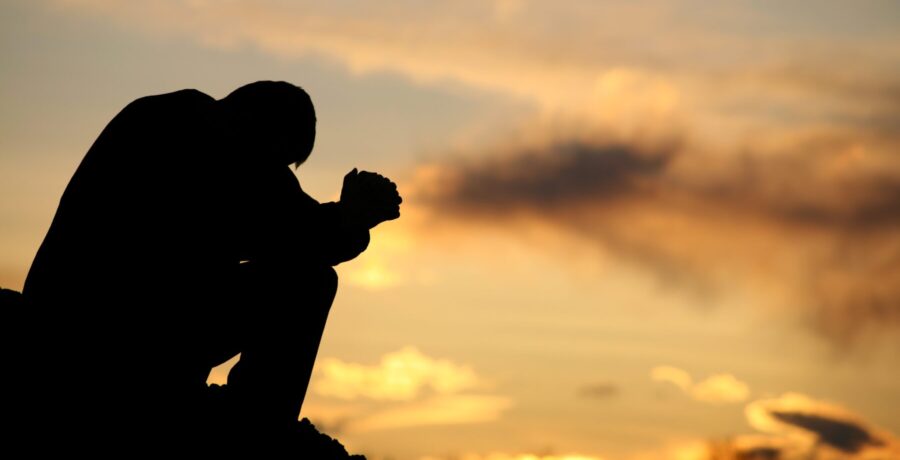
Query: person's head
x=272, y=118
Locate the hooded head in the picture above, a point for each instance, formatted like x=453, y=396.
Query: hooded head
x=272, y=118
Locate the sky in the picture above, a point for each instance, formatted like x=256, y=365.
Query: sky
x=631, y=230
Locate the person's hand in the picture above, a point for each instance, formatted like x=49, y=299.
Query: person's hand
x=369, y=198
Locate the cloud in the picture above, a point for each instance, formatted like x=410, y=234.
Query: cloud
x=718, y=388
x=439, y=410
x=815, y=222
x=721, y=388
x=792, y=427
x=757, y=447
x=405, y=389
x=741, y=447
x=709, y=158
x=678, y=377
x=628, y=68
x=601, y=390
x=682, y=450
x=801, y=186
x=400, y=376
x=427, y=43
x=842, y=435
x=505, y=456
x=804, y=421
x=559, y=177
x=632, y=72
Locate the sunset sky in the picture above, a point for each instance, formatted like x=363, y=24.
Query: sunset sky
x=631, y=230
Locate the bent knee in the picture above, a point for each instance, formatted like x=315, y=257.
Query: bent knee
x=318, y=279
x=332, y=276
x=329, y=280
x=287, y=280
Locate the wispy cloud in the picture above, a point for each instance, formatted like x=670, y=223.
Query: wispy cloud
x=681, y=450
x=678, y=377
x=522, y=456
x=400, y=376
x=440, y=410
x=404, y=389
x=813, y=222
x=718, y=388
x=627, y=68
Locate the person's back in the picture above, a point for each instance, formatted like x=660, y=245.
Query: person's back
x=120, y=261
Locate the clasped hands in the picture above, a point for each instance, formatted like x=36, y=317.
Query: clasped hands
x=368, y=199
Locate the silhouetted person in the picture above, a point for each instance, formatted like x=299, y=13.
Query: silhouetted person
x=183, y=239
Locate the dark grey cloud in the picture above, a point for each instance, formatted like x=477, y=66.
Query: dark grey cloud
x=831, y=429
x=569, y=175
x=843, y=435
x=787, y=188
x=685, y=216
x=556, y=177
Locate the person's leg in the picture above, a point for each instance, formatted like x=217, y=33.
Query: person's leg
x=279, y=341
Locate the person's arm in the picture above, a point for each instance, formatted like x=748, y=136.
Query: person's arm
x=327, y=234
x=282, y=222
x=342, y=228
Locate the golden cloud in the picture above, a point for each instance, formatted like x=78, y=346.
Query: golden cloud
x=400, y=376
x=718, y=388
x=678, y=377
x=682, y=450
x=503, y=456
x=405, y=389
x=439, y=410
